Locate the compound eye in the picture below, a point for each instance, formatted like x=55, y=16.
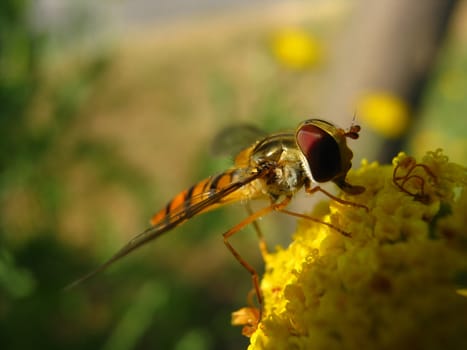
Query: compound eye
x=321, y=152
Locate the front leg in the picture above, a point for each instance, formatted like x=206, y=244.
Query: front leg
x=311, y=190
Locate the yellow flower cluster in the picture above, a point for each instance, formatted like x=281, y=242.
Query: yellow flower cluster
x=297, y=49
x=396, y=283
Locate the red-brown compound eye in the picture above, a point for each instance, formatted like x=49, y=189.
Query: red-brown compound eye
x=321, y=152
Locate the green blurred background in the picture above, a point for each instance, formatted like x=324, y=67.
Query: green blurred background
x=103, y=119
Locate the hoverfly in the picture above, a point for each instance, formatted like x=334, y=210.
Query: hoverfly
x=274, y=167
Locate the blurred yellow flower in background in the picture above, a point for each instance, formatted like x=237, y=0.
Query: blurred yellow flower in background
x=385, y=113
x=296, y=48
x=396, y=283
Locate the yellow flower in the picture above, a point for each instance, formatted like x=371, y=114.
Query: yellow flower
x=296, y=49
x=396, y=283
x=385, y=113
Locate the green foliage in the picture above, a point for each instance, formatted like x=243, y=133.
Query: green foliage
x=34, y=160
x=39, y=149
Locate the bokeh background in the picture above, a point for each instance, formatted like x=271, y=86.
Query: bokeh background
x=108, y=109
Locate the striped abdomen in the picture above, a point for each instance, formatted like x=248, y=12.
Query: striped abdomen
x=196, y=199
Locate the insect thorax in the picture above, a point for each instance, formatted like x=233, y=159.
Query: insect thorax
x=288, y=174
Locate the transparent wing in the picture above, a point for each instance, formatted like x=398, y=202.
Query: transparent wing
x=233, y=139
x=176, y=217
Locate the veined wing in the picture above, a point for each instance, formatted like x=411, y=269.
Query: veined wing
x=178, y=211
x=235, y=138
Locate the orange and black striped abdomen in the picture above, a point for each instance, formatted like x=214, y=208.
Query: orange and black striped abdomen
x=182, y=203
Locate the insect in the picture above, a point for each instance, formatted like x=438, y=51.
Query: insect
x=274, y=167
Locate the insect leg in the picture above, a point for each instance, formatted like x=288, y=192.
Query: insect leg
x=263, y=249
x=254, y=275
x=307, y=217
x=262, y=242
x=310, y=190
x=337, y=199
